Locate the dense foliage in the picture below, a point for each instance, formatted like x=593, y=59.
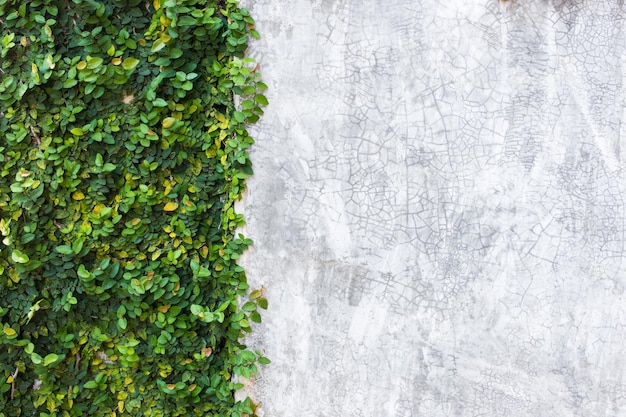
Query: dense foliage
x=122, y=152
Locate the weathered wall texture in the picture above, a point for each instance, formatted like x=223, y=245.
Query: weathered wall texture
x=438, y=208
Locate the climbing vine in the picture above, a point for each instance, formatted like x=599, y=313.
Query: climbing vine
x=122, y=152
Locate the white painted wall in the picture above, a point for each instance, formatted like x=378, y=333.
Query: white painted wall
x=438, y=208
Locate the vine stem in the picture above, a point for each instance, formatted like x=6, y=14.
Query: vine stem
x=17, y=371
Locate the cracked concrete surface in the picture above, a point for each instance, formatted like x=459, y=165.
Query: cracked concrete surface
x=438, y=210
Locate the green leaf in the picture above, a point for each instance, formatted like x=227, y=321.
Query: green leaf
x=130, y=63
x=238, y=116
x=64, y=249
x=90, y=385
x=255, y=317
x=247, y=104
x=93, y=63
x=19, y=257
x=187, y=21
x=262, y=302
x=261, y=99
x=249, y=306
x=122, y=323
x=83, y=272
x=175, y=53
x=77, y=245
x=158, y=45
x=50, y=358
x=159, y=102
x=264, y=361
x=108, y=167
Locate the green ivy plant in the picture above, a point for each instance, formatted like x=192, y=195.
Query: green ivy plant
x=122, y=152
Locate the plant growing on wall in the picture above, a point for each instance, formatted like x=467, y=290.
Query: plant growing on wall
x=121, y=155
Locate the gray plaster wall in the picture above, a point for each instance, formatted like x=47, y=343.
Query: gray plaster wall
x=438, y=208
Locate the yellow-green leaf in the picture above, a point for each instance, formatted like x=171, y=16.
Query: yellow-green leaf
x=94, y=62
x=171, y=206
x=78, y=195
x=49, y=61
x=19, y=257
x=158, y=45
x=9, y=331
x=50, y=358
x=168, y=122
x=130, y=63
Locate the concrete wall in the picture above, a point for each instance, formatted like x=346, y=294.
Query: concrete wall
x=438, y=208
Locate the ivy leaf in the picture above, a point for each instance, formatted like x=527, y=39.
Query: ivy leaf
x=19, y=257
x=9, y=332
x=50, y=358
x=91, y=384
x=93, y=63
x=130, y=63
x=249, y=306
x=262, y=302
x=108, y=167
x=261, y=99
x=187, y=21
x=171, y=206
x=64, y=249
x=158, y=45
x=255, y=317
x=168, y=122
x=122, y=323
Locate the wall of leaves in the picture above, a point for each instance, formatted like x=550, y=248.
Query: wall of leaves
x=122, y=152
